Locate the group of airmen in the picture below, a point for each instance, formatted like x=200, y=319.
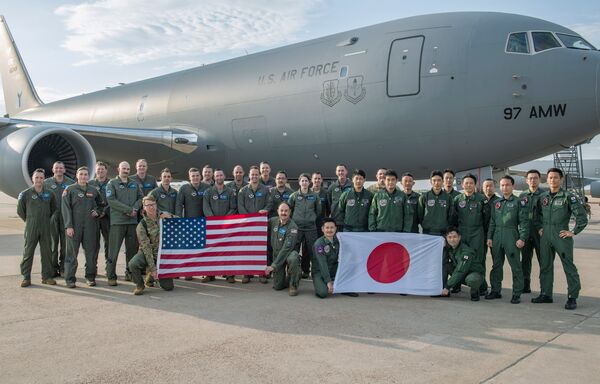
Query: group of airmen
x=62, y=215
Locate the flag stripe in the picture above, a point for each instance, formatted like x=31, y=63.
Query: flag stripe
x=235, y=238
x=220, y=250
x=212, y=264
x=210, y=259
x=226, y=235
x=213, y=226
x=167, y=257
x=214, y=272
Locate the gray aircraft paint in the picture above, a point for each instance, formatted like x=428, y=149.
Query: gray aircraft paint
x=445, y=105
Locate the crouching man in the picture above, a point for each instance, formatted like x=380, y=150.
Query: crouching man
x=286, y=262
x=461, y=265
x=148, y=234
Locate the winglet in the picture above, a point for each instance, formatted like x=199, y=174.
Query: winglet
x=19, y=93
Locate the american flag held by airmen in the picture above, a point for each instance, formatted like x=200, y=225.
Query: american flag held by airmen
x=213, y=246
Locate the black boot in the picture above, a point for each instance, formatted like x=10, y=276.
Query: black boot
x=493, y=295
x=541, y=299
x=571, y=303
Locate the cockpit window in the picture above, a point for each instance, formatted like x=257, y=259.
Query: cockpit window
x=517, y=43
x=575, y=42
x=544, y=40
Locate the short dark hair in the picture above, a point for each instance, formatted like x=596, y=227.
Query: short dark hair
x=452, y=228
x=408, y=174
x=557, y=170
x=101, y=164
x=281, y=203
x=391, y=173
x=329, y=220
x=508, y=177
x=304, y=175
x=437, y=172
x=165, y=170
x=84, y=168
x=282, y=172
x=342, y=165
x=470, y=176
x=39, y=170
x=448, y=170
x=359, y=172
x=490, y=179
x=253, y=167
x=533, y=171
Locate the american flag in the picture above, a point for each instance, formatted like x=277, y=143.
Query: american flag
x=212, y=246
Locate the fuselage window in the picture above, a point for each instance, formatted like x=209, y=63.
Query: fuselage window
x=575, y=42
x=517, y=43
x=543, y=41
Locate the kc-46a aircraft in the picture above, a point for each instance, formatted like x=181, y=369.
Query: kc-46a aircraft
x=461, y=90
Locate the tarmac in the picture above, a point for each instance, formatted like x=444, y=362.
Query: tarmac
x=223, y=333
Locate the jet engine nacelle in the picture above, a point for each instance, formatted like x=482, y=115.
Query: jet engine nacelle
x=595, y=189
x=28, y=148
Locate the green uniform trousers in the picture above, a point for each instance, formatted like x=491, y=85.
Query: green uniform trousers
x=320, y=285
x=550, y=245
x=507, y=248
x=137, y=265
x=533, y=243
x=283, y=279
x=104, y=226
x=58, y=242
x=475, y=239
x=118, y=233
x=32, y=238
x=306, y=241
x=87, y=238
x=473, y=280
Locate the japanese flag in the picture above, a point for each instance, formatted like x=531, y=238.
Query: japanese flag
x=389, y=262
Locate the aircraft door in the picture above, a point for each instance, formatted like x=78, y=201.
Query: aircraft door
x=250, y=133
x=404, y=66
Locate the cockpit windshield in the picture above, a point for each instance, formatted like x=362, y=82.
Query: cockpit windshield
x=575, y=42
x=543, y=41
x=533, y=42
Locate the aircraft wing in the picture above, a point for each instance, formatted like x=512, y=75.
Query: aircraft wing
x=27, y=145
x=176, y=138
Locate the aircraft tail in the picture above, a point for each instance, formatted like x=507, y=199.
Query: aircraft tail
x=19, y=93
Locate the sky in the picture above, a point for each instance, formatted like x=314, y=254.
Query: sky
x=75, y=47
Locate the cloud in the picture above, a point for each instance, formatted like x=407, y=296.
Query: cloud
x=589, y=31
x=128, y=32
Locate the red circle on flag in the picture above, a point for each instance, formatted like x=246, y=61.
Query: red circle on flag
x=388, y=263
